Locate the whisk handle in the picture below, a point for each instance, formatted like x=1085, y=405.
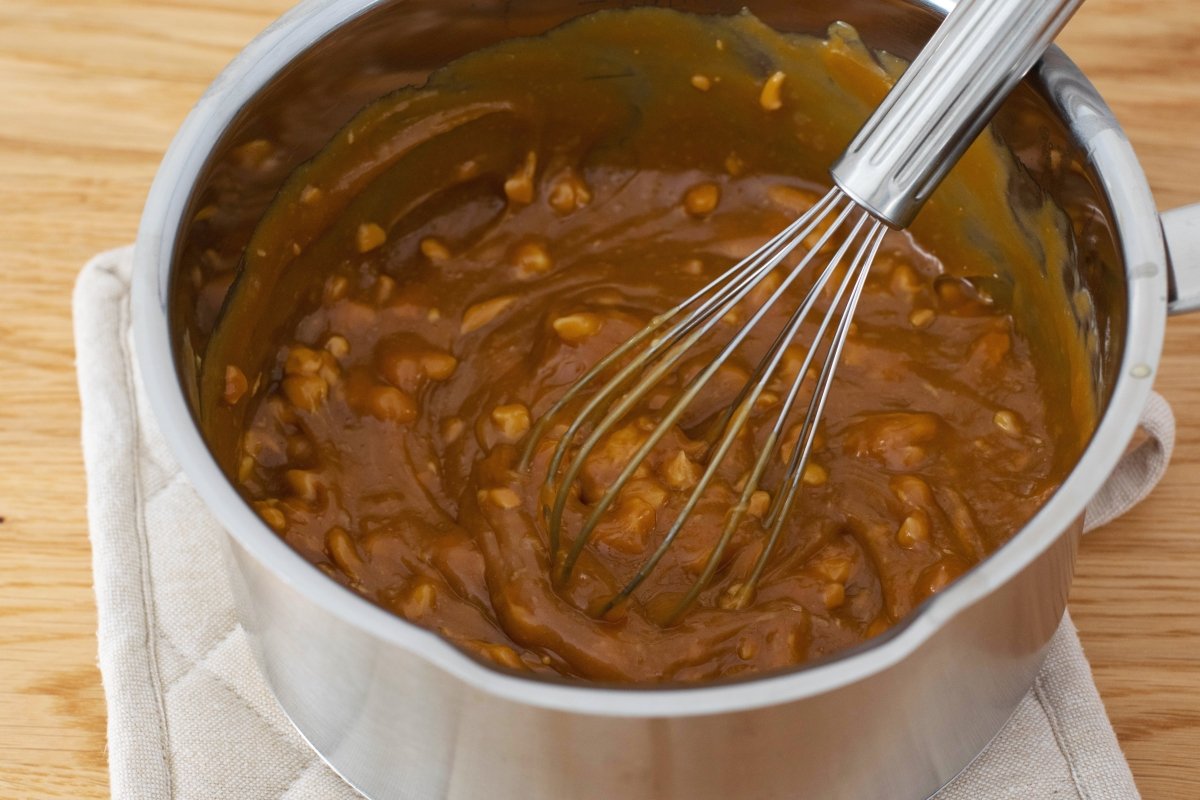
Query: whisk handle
x=944, y=99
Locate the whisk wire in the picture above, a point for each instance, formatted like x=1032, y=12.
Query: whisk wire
x=804, y=442
x=741, y=411
x=698, y=323
x=766, y=369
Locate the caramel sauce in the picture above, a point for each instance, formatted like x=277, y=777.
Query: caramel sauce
x=433, y=280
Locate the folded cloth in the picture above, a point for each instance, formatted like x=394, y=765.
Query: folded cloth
x=190, y=716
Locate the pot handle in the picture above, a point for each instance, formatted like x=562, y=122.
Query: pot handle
x=1181, y=229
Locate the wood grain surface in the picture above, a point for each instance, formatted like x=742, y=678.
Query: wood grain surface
x=91, y=92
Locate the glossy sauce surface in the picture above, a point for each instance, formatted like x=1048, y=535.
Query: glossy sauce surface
x=436, y=278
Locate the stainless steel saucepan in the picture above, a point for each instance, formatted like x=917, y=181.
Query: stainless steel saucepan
x=400, y=713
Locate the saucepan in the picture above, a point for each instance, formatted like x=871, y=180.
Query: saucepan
x=399, y=712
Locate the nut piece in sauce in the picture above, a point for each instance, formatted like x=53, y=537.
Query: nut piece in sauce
x=310, y=195
x=702, y=199
x=271, y=515
x=337, y=346
x=235, y=384
x=481, y=314
x=1007, y=421
x=760, y=503
x=501, y=497
x=702, y=82
x=771, y=97
x=369, y=237
x=389, y=404
x=814, y=474
x=344, y=553
x=569, y=193
x=511, y=420
x=574, y=328
x=437, y=365
x=435, y=250
x=680, y=472
x=519, y=186
x=921, y=318
x=531, y=258
x=791, y=199
x=305, y=392
x=914, y=530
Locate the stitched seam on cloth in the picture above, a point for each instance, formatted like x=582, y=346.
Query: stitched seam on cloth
x=193, y=663
x=303, y=750
x=143, y=539
x=174, y=479
x=1059, y=740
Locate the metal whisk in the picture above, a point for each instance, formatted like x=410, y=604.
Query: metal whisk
x=923, y=126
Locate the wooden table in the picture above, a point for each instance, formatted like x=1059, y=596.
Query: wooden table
x=91, y=92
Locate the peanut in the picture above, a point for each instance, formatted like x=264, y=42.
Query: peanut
x=369, y=237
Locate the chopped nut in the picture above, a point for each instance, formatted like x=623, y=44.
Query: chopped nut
x=922, y=317
x=734, y=164
x=1007, y=421
x=235, y=384
x=569, y=193
x=531, y=258
x=503, y=497
x=760, y=502
x=435, y=250
x=271, y=515
x=253, y=154
x=835, y=569
x=771, y=97
x=344, y=552
x=369, y=237
x=702, y=199
x=512, y=420
x=481, y=314
x=310, y=195
x=791, y=199
x=904, y=280
x=990, y=349
x=438, y=366
x=814, y=474
x=648, y=489
x=383, y=289
x=680, y=472
x=503, y=655
x=302, y=361
x=913, y=530
x=208, y=212
x=747, y=648
x=693, y=266
x=634, y=518
x=452, y=428
x=519, y=186
x=420, y=599
x=337, y=346
x=305, y=484
x=702, y=82
x=335, y=288
x=765, y=401
x=390, y=404
x=574, y=328
x=306, y=392
x=738, y=595
x=834, y=595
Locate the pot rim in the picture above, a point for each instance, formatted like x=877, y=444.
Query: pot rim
x=1139, y=239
